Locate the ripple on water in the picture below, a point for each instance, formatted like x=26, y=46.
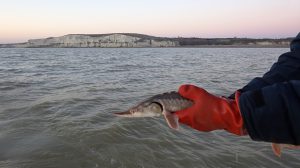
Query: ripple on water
x=57, y=105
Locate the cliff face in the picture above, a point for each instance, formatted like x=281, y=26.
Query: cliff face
x=105, y=40
x=140, y=40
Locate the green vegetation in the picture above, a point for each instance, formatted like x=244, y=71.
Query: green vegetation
x=231, y=41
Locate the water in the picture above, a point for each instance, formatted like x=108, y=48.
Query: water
x=56, y=108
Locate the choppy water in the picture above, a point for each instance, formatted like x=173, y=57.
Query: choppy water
x=56, y=108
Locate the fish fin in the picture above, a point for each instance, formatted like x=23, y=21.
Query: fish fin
x=277, y=149
x=171, y=119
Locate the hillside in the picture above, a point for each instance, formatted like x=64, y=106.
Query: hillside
x=128, y=40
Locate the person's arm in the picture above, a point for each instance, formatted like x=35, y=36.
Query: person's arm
x=267, y=108
x=272, y=113
x=269, y=114
x=270, y=105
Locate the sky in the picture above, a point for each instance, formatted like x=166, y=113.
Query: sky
x=29, y=19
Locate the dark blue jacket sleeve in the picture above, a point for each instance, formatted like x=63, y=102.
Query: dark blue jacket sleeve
x=272, y=113
x=270, y=105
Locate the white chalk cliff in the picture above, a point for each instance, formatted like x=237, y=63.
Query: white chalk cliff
x=100, y=40
x=140, y=40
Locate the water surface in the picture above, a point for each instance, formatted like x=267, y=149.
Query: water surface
x=56, y=108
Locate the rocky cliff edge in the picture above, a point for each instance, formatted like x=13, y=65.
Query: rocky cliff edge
x=97, y=40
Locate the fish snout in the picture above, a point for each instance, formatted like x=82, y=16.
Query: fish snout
x=124, y=114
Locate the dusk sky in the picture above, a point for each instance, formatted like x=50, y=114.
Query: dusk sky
x=27, y=19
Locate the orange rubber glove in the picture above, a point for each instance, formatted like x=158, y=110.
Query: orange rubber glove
x=210, y=112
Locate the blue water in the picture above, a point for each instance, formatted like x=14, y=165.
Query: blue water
x=56, y=108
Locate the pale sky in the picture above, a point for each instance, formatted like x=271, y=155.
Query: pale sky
x=27, y=19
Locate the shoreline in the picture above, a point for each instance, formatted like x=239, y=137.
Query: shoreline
x=133, y=40
x=187, y=46
x=235, y=46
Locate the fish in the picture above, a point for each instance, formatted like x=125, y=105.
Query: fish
x=164, y=104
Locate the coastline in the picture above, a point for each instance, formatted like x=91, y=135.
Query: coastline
x=186, y=46
x=234, y=46
x=133, y=40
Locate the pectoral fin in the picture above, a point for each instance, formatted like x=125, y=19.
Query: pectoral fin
x=171, y=119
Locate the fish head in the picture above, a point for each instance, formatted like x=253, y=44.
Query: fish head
x=145, y=109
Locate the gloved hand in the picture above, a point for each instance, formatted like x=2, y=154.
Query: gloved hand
x=210, y=112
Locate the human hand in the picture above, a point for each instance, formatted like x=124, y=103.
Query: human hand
x=208, y=113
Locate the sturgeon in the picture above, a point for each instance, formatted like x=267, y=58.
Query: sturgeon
x=158, y=105
x=166, y=103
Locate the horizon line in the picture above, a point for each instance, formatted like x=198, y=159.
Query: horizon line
x=224, y=37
